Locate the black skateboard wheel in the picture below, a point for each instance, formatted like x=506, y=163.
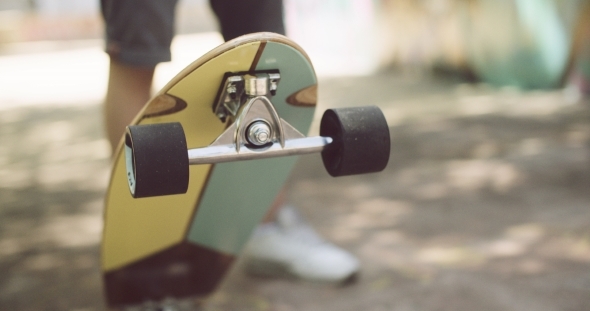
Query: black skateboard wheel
x=361, y=142
x=156, y=159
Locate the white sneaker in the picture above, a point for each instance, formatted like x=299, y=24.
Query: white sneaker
x=289, y=246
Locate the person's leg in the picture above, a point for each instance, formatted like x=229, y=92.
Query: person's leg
x=237, y=18
x=138, y=37
x=128, y=90
x=284, y=243
x=139, y=33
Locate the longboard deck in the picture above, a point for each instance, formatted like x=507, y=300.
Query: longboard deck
x=182, y=245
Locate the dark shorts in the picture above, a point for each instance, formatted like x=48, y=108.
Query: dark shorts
x=139, y=32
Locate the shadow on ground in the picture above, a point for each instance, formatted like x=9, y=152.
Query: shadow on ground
x=484, y=205
x=53, y=172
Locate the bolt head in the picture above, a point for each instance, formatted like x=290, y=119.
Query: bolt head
x=259, y=133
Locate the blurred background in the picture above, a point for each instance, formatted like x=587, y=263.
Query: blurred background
x=485, y=204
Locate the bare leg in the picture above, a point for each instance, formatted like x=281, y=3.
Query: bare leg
x=128, y=90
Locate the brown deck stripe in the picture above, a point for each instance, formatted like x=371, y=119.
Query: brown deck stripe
x=198, y=203
x=258, y=55
x=306, y=97
x=162, y=105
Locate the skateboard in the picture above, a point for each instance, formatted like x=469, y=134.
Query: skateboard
x=203, y=161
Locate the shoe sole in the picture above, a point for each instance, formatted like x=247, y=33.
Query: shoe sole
x=272, y=269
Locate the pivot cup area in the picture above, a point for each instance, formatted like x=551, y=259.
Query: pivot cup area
x=259, y=133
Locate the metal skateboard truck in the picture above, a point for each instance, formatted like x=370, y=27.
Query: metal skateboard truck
x=352, y=140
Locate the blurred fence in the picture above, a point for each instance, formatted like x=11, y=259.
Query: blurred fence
x=522, y=43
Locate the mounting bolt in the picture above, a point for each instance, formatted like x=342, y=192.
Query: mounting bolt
x=232, y=90
x=259, y=133
x=274, y=79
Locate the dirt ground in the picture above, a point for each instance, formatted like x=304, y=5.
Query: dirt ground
x=485, y=205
